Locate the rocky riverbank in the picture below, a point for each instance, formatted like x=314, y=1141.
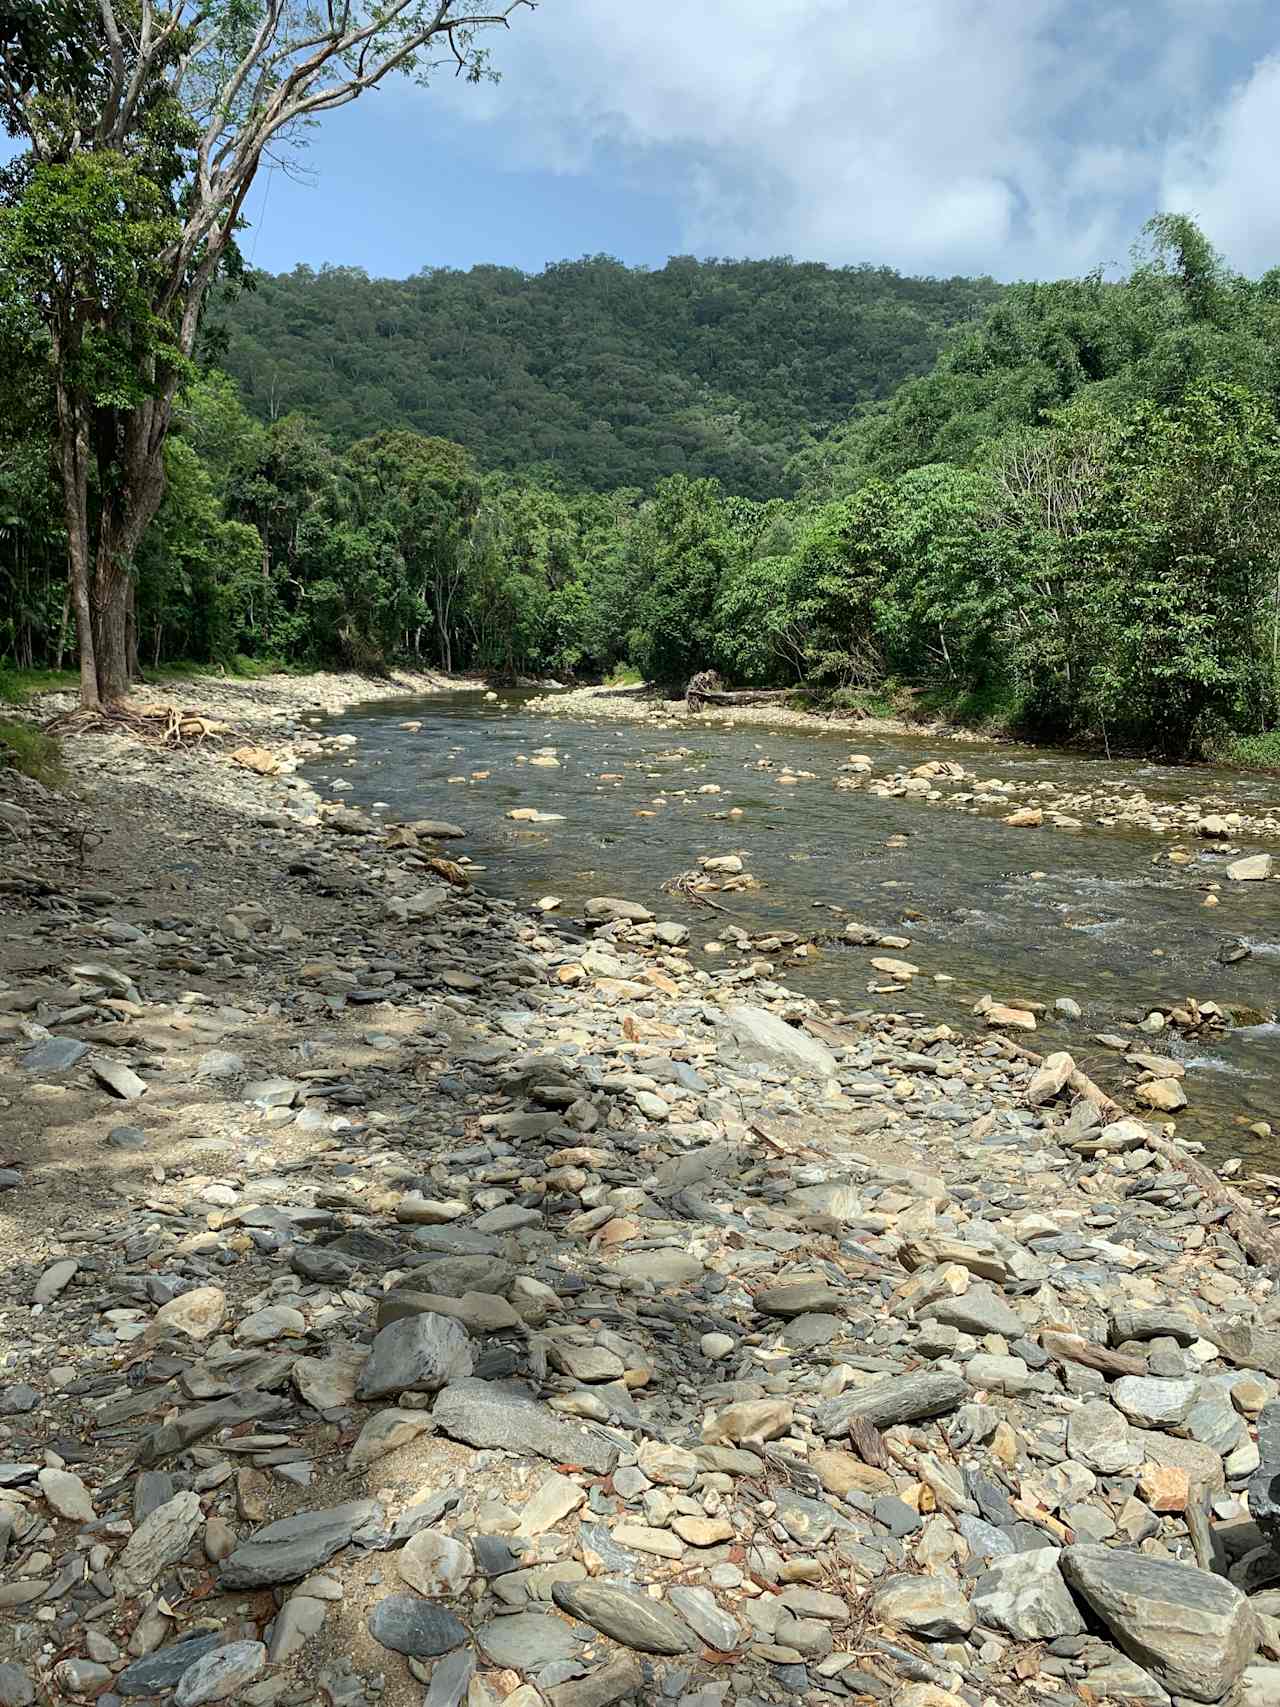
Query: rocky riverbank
x=645, y=705
x=409, y=1299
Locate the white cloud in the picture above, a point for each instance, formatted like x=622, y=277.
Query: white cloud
x=1226, y=174
x=1020, y=136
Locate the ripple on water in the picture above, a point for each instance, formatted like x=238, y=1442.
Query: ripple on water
x=1216, y=1064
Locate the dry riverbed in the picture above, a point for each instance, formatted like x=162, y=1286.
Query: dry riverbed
x=407, y=1298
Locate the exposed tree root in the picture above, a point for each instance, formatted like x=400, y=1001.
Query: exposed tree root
x=156, y=725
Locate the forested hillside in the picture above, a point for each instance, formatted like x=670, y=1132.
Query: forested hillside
x=601, y=374
x=1071, y=518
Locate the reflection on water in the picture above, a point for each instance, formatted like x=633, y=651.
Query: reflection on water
x=1033, y=913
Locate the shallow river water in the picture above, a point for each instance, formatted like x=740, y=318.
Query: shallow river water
x=1032, y=913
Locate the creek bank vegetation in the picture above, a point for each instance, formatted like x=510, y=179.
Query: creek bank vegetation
x=1066, y=527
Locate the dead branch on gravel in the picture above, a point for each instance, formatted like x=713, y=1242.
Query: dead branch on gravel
x=692, y=886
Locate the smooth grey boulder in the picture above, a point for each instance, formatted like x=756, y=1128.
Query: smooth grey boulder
x=1195, y=1633
x=500, y=1413
x=409, y=1625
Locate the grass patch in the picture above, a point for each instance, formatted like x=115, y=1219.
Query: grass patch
x=623, y=676
x=18, y=687
x=1253, y=752
x=29, y=750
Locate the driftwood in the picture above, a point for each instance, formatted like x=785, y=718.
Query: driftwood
x=706, y=688
x=748, y=696
x=1070, y=1348
x=1255, y=1235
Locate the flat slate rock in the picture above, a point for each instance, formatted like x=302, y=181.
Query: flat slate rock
x=501, y=1413
x=407, y=1624
x=627, y=1615
x=528, y=1641
x=162, y=1669
x=290, y=1548
x=749, y=1035
x=1192, y=1631
x=55, y=1055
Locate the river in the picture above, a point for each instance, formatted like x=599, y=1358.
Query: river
x=1037, y=914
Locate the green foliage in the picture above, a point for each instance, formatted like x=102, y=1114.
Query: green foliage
x=1254, y=752
x=1071, y=522
x=609, y=375
x=678, y=554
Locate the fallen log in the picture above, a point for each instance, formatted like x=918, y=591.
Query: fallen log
x=699, y=697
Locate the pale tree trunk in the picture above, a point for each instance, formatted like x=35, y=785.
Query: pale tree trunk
x=73, y=466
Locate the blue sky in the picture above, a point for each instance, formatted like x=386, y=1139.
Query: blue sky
x=1018, y=137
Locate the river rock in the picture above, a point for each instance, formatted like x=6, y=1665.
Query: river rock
x=1192, y=1631
x=408, y=1625
x=67, y=1495
x=54, y=1281
x=1264, y=1484
x=437, y=829
x=1050, y=1077
x=221, y=1674
x=386, y=1432
x=499, y=1413
x=896, y=1399
x=435, y=1564
x=626, y=1615
x=197, y=1313
x=796, y=1298
x=1025, y=1597
x=1098, y=1436
x=977, y=1311
x=16, y=1687
x=703, y=1614
x=1152, y=1403
x=451, y=1679
x=1252, y=869
x=607, y=908
x=161, y=1670
x=932, y=1607
x=157, y=1543
x=299, y=1619
x=751, y=1035
x=286, y=1550
x=421, y=1353
x=528, y=1641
